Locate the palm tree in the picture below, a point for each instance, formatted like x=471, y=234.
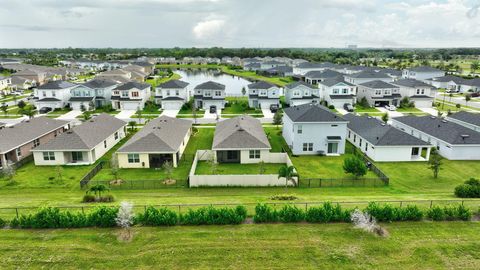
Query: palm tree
x=97, y=190
x=288, y=172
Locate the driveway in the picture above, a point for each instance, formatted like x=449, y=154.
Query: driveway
x=212, y=115
x=431, y=111
x=125, y=114
x=170, y=113
x=391, y=114
x=71, y=115
x=267, y=113
x=341, y=111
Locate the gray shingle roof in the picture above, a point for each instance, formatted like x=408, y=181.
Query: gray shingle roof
x=368, y=74
x=242, y=132
x=131, y=85
x=85, y=136
x=295, y=84
x=312, y=113
x=411, y=83
x=210, y=86
x=100, y=82
x=328, y=73
x=27, y=131
x=378, y=133
x=467, y=117
x=161, y=135
x=261, y=85
x=423, y=69
x=444, y=130
x=333, y=81
x=55, y=85
x=174, y=84
x=80, y=99
x=449, y=78
x=377, y=84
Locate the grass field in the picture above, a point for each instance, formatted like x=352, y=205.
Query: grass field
x=204, y=168
x=410, y=245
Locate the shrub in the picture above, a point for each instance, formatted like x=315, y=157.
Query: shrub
x=88, y=198
x=284, y=197
x=452, y=212
x=331, y=107
x=410, y=213
x=3, y=223
x=50, y=217
x=385, y=213
x=158, y=217
x=291, y=213
x=470, y=189
x=327, y=213
x=436, y=213
x=463, y=213
x=103, y=216
x=214, y=216
x=265, y=213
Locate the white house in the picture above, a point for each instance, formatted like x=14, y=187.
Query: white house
x=54, y=94
x=101, y=89
x=466, y=119
x=83, y=144
x=303, y=68
x=4, y=83
x=420, y=93
x=162, y=139
x=171, y=95
x=367, y=76
x=263, y=94
x=313, y=129
x=379, y=93
x=422, y=73
x=209, y=94
x=382, y=142
x=337, y=92
x=130, y=96
x=271, y=64
x=449, y=82
x=315, y=77
x=453, y=141
x=299, y=93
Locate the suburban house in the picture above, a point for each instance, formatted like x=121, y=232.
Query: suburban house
x=299, y=93
x=452, y=140
x=271, y=64
x=209, y=94
x=471, y=85
x=36, y=77
x=17, y=141
x=282, y=71
x=4, y=84
x=83, y=144
x=240, y=140
x=263, y=94
x=422, y=73
x=102, y=90
x=312, y=129
x=337, y=92
x=171, y=95
x=466, y=119
x=449, y=82
x=54, y=94
x=315, y=77
x=162, y=139
x=379, y=93
x=420, y=93
x=367, y=76
x=302, y=68
x=382, y=142
x=394, y=73
x=130, y=96
x=82, y=98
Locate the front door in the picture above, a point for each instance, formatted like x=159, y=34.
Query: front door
x=332, y=148
x=77, y=156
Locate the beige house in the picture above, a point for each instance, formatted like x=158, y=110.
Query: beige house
x=83, y=144
x=162, y=139
x=17, y=141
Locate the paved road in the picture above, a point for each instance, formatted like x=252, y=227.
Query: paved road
x=71, y=115
x=459, y=100
x=267, y=113
x=430, y=111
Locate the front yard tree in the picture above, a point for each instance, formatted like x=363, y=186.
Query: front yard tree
x=8, y=171
x=139, y=114
x=287, y=172
x=28, y=112
x=435, y=162
x=244, y=91
x=354, y=165
x=21, y=104
x=458, y=106
x=277, y=118
x=114, y=167
x=468, y=97
x=132, y=125
x=168, y=167
x=385, y=117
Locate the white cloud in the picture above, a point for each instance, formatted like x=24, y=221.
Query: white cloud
x=208, y=28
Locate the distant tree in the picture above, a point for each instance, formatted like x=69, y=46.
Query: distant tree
x=114, y=167
x=468, y=97
x=474, y=66
x=21, y=104
x=4, y=108
x=261, y=167
x=277, y=118
x=354, y=165
x=458, y=106
x=59, y=171
x=435, y=162
x=244, y=91
x=287, y=172
x=385, y=117
x=97, y=190
x=132, y=125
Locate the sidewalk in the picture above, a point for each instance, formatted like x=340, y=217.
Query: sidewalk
x=70, y=115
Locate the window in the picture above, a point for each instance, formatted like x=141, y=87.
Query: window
x=48, y=156
x=54, y=94
x=307, y=147
x=299, y=129
x=345, y=90
x=218, y=93
x=77, y=156
x=296, y=93
x=263, y=93
x=332, y=148
x=177, y=92
x=207, y=93
x=116, y=93
x=420, y=91
x=366, y=146
x=378, y=92
x=116, y=135
x=105, y=144
x=388, y=92
x=55, y=133
x=360, y=142
x=19, y=152
x=133, y=158
x=354, y=137
x=135, y=94
x=254, y=154
x=168, y=93
x=334, y=125
x=36, y=142
x=349, y=133
x=335, y=91
x=124, y=93
x=44, y=93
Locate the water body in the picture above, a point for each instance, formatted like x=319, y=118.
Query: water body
x=233, y=84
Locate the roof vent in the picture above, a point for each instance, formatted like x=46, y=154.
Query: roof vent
x=464, y=136
x=69, y=132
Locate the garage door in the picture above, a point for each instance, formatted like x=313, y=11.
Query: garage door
x=172, y=105
x=130, y=106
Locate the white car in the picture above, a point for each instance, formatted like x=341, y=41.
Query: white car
x=391, y=107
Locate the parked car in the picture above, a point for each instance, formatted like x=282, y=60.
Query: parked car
x=476, y=94
x=274, y=108
x=391, y=107
x=452, y=91
x=213, y=109
x=16, y=93
x=348, y=107
x=44, y=110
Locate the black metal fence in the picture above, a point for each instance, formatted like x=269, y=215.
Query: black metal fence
x=23, y=161
x=341, y=182
x=86, y=179
x=372, y=167
x=139, y=184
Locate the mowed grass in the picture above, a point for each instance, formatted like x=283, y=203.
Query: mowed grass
x=410, y=245
x=205, y=168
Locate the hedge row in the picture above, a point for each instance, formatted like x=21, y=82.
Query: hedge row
x=104, y=216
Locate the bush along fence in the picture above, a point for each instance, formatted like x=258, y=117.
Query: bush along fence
x=106, y=216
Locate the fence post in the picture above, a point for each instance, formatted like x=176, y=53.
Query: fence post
x=306, y=206
x=179, y=208
x=401, y=203
x=431, y=202
x=16, y=211
x=83, y=212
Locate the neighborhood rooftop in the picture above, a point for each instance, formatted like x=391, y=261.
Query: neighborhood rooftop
x=85, y=136
x=174, y=84
x=160, y=135
x=442, y=129
x=242, y=132
x=210, y=85
x=378, y=133
x=377, y=84
x=423, y=69
x=312, y=113
x=336, y=80
x=132, y=84
x=261, y=85
x=57, y=85
x=295, y=84
x=100, y=82
x=411, y=83
x=467, y=117
x=26, y=131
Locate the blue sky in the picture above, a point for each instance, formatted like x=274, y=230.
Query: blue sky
x=239, y=23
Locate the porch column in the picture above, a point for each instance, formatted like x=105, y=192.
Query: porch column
x=174, y=158
x=4, y=159
x=428, y=153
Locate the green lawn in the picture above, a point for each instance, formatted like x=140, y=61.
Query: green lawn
x=410, y=245
x=239, y=105
x=360, y=109
x=205, y=168
x=409, y=110
x=275, y=138
x=155, y=82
